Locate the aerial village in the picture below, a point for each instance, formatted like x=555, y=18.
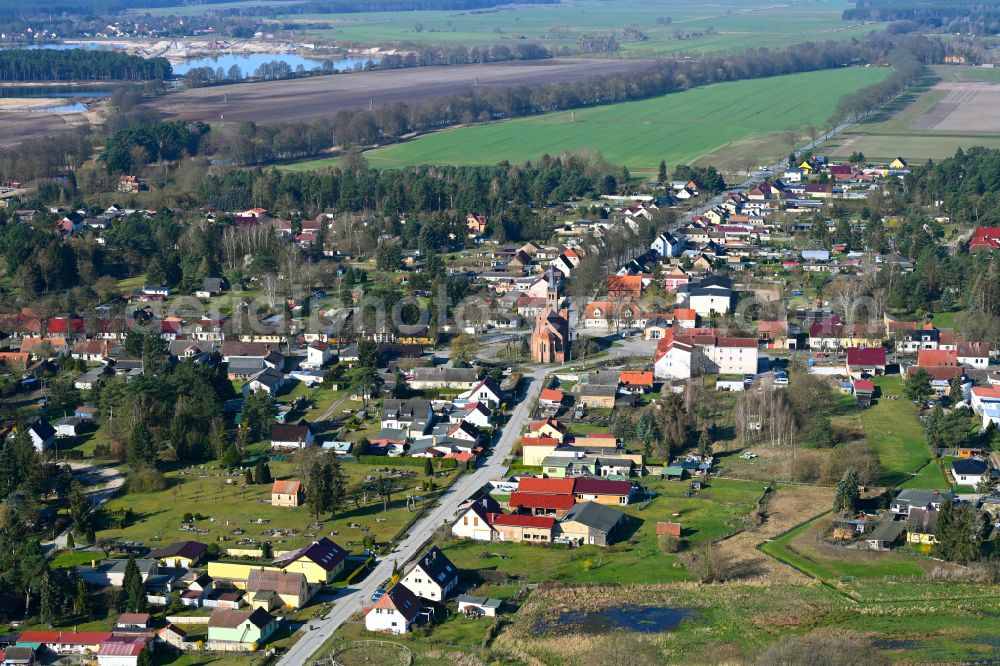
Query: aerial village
x=421, y=469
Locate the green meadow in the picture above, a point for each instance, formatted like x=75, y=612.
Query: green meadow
x=671, y=27
x=734, y=125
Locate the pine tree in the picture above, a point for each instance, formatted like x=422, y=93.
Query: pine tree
x=133, y=588
x=49, y=608
x=917, y=386
x=267, y=478
x=705, y=444
x=248, y=476
x=959, y=533
x=79, y=507
x=661, y=172
x=338, y=484
x=428, y=467
x=231, y=459
x=140, y=451
x=144, y=658
x=955, y=389
x=81, y=602
x=70, y=541
x=319, y=489
x=847, y=498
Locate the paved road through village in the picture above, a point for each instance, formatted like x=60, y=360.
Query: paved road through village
x=353, y=598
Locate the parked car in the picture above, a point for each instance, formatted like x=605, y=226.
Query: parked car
x=378, y=594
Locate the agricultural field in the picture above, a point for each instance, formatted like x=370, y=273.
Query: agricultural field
x=708, y=515
x=322, y=96
x=230, y=506
x=894, y=433
x=956, y=107
x=736, y=125
x=717, y=28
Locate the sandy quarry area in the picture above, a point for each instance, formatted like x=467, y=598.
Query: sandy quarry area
x=966, y=106
x=32, y=104
x=179, y=50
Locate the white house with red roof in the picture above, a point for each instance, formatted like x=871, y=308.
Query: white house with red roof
x=985, y=238
x=869, y=360
x=985, y=401
x=394, y=612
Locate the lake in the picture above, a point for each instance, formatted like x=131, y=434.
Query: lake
x=247, y=62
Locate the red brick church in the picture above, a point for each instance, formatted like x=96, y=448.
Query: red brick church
x=550, y=339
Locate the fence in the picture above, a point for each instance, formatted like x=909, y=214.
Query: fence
x=187, y=619
x=405, y=654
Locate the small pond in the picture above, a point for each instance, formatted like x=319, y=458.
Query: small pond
x=630, y=617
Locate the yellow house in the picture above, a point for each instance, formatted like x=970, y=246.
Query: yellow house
x=320, y=561
x=806, y=166
x=715, y=216
x=920, y=526
x=547, y=428
x=271, y=590
x=898, y=163
x=236, y=573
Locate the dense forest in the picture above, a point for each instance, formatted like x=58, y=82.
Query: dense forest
x=79, y=65
x=423, y=207
x=980, y=17
x=967, y=185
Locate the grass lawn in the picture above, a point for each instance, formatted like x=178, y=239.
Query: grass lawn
x=70, y=558
x=680, y=127
x=930, y=476
x=228, y=507
x=444, y=643
x=734, y=25
x=710, y=514
x=894, y=433
x=945, y=319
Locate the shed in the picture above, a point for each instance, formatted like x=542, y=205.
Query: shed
x=668, y=529
x=471, y=605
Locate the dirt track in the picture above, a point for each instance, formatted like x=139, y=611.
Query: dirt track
x=304, y=99
x=789, y=506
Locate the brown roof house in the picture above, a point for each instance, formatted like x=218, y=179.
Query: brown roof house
x=269, y=589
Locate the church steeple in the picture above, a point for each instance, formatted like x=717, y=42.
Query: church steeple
x=552, y=294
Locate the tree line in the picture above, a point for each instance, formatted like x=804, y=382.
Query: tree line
x=908, y=66
x=79, y=65
x=392, y=121
x=136, y=146
x=981, y=17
